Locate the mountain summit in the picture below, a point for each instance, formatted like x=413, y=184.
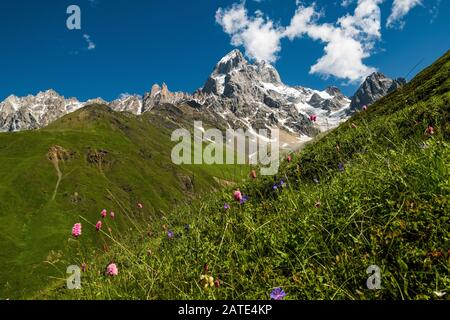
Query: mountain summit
x=376, y=86
x=257, y=97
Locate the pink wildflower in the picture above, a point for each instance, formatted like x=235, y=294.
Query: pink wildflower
x=112, y=215
x=140, y=206
x=313, y=117
x=98, y=226
x=253, y=174
x=237, y=195
x=104, y=213
x=112, y=270
x=430, y=130
x=76, y=230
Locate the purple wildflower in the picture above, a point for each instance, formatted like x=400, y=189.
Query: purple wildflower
x=244, y=199
x=226, y=206
x=277, y=294
x=341, y=167
x=170, y=234
x=275, y=187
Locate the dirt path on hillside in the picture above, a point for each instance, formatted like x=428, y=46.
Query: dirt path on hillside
x=58, y=172
x=55, y=155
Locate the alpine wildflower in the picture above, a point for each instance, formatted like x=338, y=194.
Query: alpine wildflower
x=430, y=130
x=237, y=195
x=206, y=281
x=140, y=206
x=253, y=174
x=277, y=294
x=170, y=234
x=103, y=213
x=76, y=230
x=226, y=206
x=112, y=215
x=112, y=270
x=244, y=199
x=98, y=226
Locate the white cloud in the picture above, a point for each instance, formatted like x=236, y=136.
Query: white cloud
x=259, y=36
x=400, y=9
x=346, y=3
x=348, y=41
x=91, y=45
x=434, y=11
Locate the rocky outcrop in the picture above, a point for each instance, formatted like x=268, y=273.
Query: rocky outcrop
x=129, y=103
x=375, y=87
x=161, y=95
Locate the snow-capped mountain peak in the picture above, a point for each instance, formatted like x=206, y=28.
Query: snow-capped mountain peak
x=232, y=60
x=237, y=94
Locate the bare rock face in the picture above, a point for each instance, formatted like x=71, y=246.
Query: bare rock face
x=128, y=103
x=162, y=95
x=32, y=112
x=254, y=96
x=375, y=87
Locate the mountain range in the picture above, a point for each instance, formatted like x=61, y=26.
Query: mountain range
x=237, y=94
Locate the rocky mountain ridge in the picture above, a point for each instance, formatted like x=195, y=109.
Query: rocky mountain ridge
x=375, y=87
x=237, y=94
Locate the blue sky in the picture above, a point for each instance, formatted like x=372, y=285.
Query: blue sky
x=136, y=43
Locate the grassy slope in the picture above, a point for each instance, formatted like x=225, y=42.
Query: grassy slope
x=389, y=207
x=137, y=168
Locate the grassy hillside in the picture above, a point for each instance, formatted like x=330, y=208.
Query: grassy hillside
x=375, y=191
x=101, y=159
